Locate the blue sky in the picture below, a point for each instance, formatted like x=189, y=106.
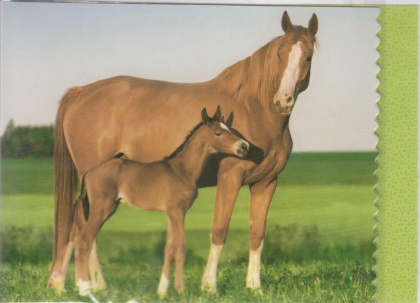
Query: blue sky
x=50, y=47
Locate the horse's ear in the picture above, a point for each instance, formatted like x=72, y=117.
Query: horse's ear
x=205, y=117
x=218, y=114
x=313, y=25
x=222, y=119
x=286, y=24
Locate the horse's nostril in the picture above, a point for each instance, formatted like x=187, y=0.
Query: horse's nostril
x=244, y=147
x=289, y=99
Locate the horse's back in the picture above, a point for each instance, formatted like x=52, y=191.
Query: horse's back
x=133, y=116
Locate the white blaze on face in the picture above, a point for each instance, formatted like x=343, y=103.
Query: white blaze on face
x=290, y=75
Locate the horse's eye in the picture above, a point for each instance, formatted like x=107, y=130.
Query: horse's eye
x=309, y=59
x=278, y=55
x=218, y=134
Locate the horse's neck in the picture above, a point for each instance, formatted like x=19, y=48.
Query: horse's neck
x=190, y=161
x=254, y=79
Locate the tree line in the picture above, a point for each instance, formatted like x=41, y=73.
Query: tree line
x=27, y=141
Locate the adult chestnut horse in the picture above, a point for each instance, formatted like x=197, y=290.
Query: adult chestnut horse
x=126, y=115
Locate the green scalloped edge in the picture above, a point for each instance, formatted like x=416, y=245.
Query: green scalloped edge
x=396, y=255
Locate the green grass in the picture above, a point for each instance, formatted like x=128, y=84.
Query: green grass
x=318, y=245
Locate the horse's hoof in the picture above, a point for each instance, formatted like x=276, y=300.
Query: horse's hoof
x=209, y=286
x=163, y=286
x=255, y=289
x=162, y=293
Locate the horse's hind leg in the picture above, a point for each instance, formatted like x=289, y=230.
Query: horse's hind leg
x=169, y=258
x=59, y=276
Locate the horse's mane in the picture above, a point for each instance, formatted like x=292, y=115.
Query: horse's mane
x=187, y=138
x=258, y=76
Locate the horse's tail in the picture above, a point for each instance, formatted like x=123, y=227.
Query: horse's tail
x=66, y=182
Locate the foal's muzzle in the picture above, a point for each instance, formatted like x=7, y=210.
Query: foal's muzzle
x=242, y=149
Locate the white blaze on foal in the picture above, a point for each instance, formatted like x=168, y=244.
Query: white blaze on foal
x=222, y=125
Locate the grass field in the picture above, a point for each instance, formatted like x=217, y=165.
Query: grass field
x=318, y=246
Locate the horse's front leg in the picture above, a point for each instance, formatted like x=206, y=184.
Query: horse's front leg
x=261, y=195
x=228, y=185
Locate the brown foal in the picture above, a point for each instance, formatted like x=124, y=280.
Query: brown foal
x=168, y=186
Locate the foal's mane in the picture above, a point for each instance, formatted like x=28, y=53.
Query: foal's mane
x=187, y=138
x=258, y=76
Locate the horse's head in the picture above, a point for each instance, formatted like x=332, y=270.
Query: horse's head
x=219, y=136
x=294, y=54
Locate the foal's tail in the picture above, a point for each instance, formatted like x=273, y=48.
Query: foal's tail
x=66, y=182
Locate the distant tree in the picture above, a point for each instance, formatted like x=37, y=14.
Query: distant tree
x=25, y=141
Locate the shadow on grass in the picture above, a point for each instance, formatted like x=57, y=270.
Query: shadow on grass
x=282, y=244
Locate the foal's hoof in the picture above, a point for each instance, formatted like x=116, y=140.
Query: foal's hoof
x=84, y=287
x=56, y=281
x=98, y=285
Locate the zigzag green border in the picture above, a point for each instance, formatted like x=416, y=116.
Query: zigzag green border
x=396, y=255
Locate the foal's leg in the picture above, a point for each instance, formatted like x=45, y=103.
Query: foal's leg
x=98, y=281
x=177, y=220
x=169, y=257
x=99, y=212
x=228, y=186
x=261, y=195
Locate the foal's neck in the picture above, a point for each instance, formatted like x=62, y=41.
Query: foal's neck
x=190, y=161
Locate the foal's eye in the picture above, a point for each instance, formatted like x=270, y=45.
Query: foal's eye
x=308, y=59
x=218, y=134
x=278, y=55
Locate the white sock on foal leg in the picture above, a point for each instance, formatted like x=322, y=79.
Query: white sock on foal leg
x=210, y=274
x=253, y=277
x=84, y=287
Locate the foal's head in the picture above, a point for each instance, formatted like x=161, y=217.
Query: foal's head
x=294, y=54
x=219, y=136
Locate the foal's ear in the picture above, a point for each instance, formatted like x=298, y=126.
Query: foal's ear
x=229, y=121
x=218, y=114
x=205, y=117
x=313, y=25
x=286, y=24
